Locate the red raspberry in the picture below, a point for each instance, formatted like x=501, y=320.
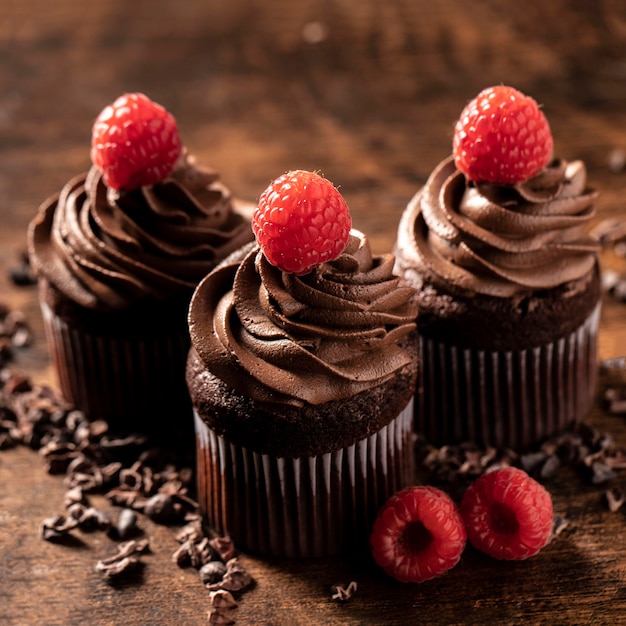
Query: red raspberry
x=501, y=137
x=418, y=534
x=507, y=514
x=301, y=221
x=134, y=142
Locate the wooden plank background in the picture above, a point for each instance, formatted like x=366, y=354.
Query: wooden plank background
x=366, y=92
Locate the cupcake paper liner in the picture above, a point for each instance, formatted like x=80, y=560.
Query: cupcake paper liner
x=506, y=399
x=304, y=507
x=135, y=384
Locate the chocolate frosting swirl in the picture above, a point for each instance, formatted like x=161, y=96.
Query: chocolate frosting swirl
x=500, y=240
x=106, y=250
x=282, y=338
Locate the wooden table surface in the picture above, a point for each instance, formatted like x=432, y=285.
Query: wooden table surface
x=367, y=93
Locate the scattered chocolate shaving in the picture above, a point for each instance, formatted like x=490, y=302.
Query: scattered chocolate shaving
x=193, y=553
x=601, y=473
x=614, y=498
x=236, y=577
x=582, y=447
x=125, y=560
x=212, y=572
x=193, y=530
x=22, y=274
x=89, y=518
x=222, y=599
x=224, y=547
x=57, y=527
x=614, y=364
x=342, y=592
x=560, y=524
x=14, y=333
x=610, y=231
x=126, y=525
x=219, y=616
x=615, y=399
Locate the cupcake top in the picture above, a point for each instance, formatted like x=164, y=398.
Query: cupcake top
x=313, y=334
x=127, y=230
x=501, y=217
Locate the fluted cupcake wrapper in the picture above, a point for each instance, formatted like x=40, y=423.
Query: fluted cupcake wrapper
x=510, y=399
x=135, y=384
x=305, y=507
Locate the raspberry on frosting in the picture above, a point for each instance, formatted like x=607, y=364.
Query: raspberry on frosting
x=502, y=136
x=135, y=142
x=301, y=221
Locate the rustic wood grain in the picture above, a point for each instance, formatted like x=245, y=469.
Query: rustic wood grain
x=369, y=99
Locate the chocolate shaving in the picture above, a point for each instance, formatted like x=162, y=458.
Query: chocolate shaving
x=212, y=572
x=126, y=559
x=222, y=599
x=615, y=498
x=22, y=274
x=126, y=525
x=57, y=527
x=560, y=524
x=224, y=546
x=342, y=592
x=236, y=577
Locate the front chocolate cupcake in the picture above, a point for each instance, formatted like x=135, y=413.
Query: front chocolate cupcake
x=507, y=279
x=302, y=376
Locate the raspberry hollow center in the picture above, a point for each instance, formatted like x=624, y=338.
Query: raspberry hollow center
x=415, y=538
x=503, y=519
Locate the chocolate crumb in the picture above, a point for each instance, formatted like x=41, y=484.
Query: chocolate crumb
x=615, y=399
x=22, y=274
x=57, y=527
x=219, y=616
x=560, y=524
x=126, y=525
x=125, y=560
x=222, y=599
x=224, y=547
x=212, y=572
x=615, y=498
x=236, y=577
x=221, y=604
x=342, y=592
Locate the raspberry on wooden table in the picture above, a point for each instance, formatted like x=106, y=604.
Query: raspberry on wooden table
x=418, y=534
x=301, y=221
x=507, y=514
x=502, y=136
x=135, y=142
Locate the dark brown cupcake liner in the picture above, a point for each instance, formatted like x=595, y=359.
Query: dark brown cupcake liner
x=135, y=384
x=506, y=399
x=305, y=507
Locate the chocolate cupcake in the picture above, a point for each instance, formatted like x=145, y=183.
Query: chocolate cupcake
x=507, y=281
x=302, y=376
x=118, y=253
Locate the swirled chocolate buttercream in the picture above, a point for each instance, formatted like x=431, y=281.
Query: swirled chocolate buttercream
x=106, y=249
x=500, y=240
x=326, y=335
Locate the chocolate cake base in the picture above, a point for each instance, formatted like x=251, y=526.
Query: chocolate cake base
x=302, y=507
x=512, y=398
x=124, y=370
